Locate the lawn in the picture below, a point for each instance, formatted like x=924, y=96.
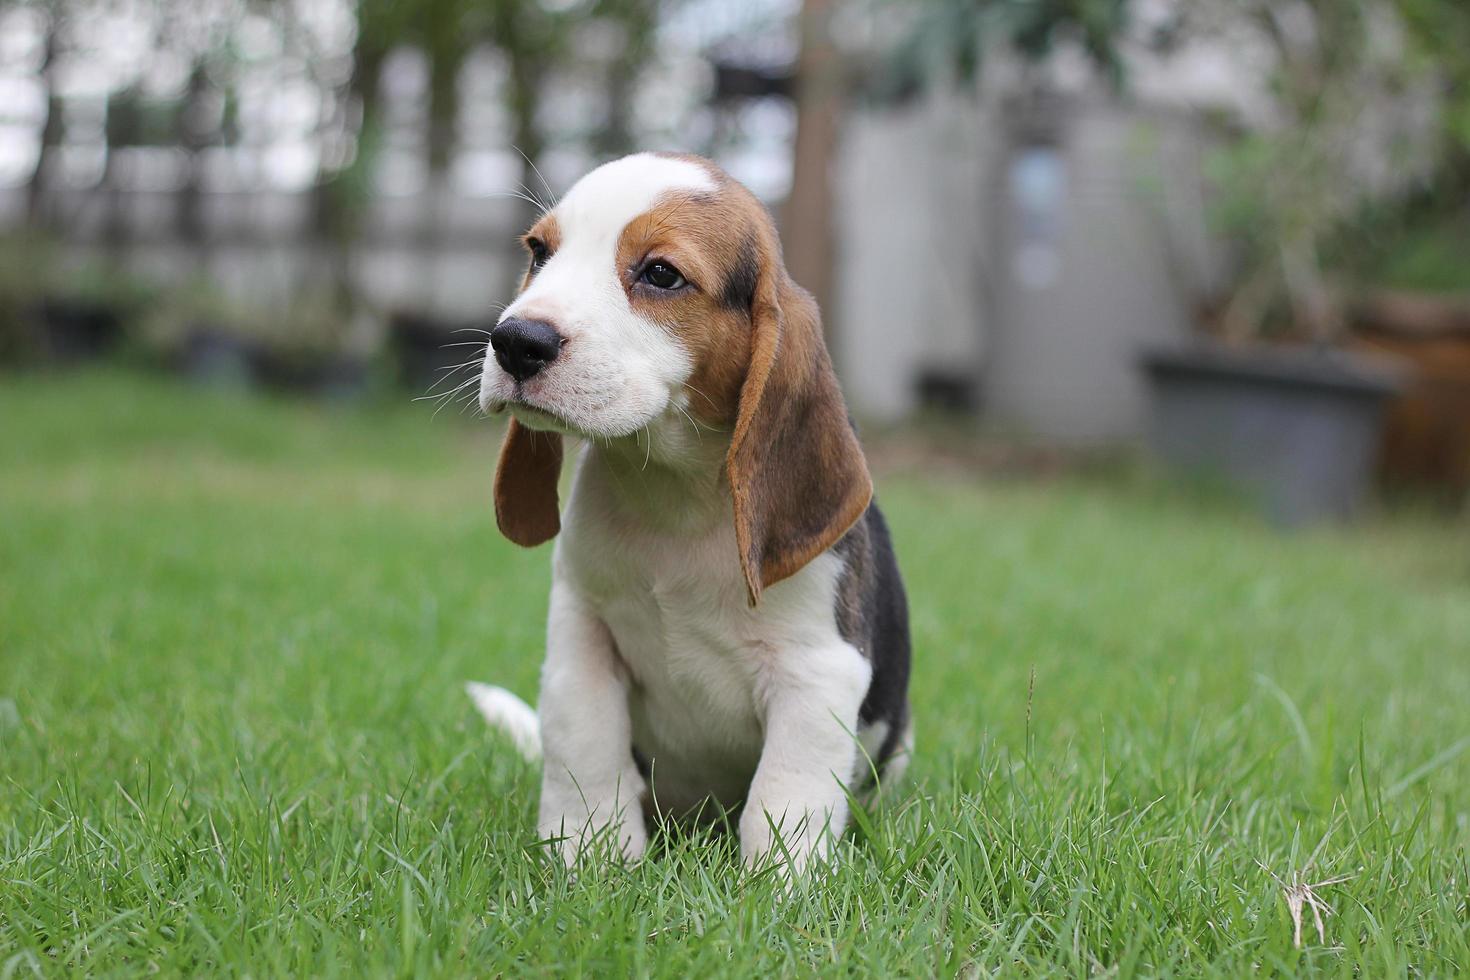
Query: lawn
x=233, y=633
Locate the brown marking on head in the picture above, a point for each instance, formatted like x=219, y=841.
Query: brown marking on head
x=797, y=475
x=709, y=238
x=796, y=471
x=541, y=242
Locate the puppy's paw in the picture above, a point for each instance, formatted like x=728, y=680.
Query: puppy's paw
x=792, y=845
x=632, y=837
x=622, y=839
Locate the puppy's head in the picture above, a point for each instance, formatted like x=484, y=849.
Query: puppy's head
x=656, y=286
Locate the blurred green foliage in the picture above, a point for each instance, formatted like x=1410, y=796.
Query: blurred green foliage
x=1432, y=258
x=36, y=276
x=1354, y=79
x=947, y=38
x=23, y=265
x=1290, y=195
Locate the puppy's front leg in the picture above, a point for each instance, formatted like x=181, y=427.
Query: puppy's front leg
x=811, y=701
x=590, y=782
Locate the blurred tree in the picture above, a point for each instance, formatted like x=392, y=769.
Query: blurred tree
x=344, y=184
x=1287, y=188
x=51, y=131
x=52, y=19
x=534, y=41
x=447, y=30
x=538, y=41
x=124, y=126
x=1418, y=239
x=819, y=87
x=196, y=129
x=1357, y=86
x=636, y=24
x=1439, y=34
x=948, y=38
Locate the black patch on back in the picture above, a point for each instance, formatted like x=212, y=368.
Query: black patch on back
x=873, y=615
x=738, y=292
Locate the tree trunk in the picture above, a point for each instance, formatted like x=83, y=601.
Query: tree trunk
x=122, y=130
x=638, y=21
x=524, y=90
x=443, y=111
x=193, y=139
x=336, y=212
x=808, y=225
x=51, y=133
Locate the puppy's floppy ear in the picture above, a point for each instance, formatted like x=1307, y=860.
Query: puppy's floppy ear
x=797, y=473
x=525, y=485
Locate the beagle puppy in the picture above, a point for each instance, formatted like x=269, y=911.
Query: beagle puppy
x=727, y=624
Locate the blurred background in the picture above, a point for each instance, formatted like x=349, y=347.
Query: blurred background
x=1235, y=231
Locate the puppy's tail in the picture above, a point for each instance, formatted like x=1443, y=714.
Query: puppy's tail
x=510, y=715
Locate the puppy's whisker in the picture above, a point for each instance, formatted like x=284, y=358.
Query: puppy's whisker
x=447, y=374
x=519, y=195
x=446, y=397
x=698, y=435
x=701, y=394
x=539, y=176
x=648, y=452
x=432, y=395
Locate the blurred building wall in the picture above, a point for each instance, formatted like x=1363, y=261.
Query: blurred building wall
x=1025, y=250
x=912, y=247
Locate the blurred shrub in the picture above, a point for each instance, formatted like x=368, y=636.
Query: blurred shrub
x=1361, y=182
x=194, y=307
x=946, y=38
x=309, y=326
x=1429, y=255
x=302, y=344
x=58, y=309
x=24, y=263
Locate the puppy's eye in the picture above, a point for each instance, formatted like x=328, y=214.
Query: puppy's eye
x=539, y=252
x=662, y=275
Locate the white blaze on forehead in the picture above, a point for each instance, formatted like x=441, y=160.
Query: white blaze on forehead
x=581, y=283
x=617, y=370
x=601, y=204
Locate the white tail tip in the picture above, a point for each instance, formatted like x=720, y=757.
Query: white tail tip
x=508, y=714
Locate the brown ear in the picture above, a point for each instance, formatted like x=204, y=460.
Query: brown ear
x=525, y=485
x=796, y=471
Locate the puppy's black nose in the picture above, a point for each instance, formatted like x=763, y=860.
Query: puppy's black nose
x=524, y=347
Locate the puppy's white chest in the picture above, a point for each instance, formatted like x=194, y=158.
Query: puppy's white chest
x=699, y=659
x=694, y=655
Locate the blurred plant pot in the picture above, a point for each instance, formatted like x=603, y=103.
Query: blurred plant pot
x=433, y=352
x=73, y=331
x=1427, y=439
x=1296, y=428
x=219, y=359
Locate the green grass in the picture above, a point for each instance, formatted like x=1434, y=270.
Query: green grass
x=233, y=740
